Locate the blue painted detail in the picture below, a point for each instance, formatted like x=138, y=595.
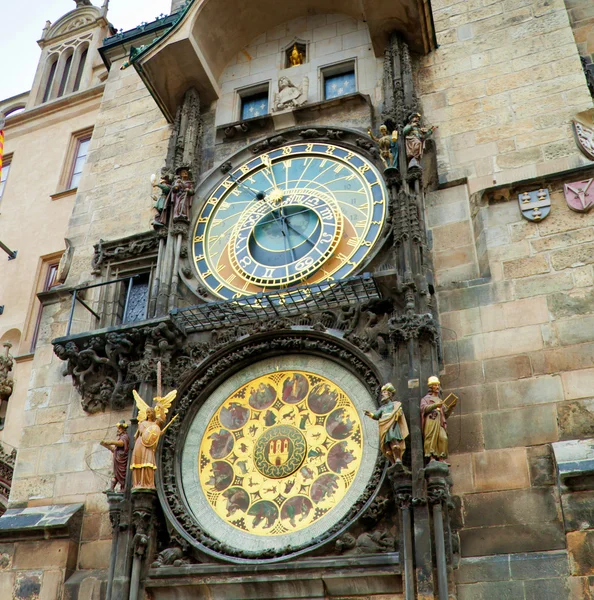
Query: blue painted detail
x=340, y=85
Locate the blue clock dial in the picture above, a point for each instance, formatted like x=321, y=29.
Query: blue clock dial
x=304, y=213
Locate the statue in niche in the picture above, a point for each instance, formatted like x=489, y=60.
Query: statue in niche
x=434, y=415
x=6, y=382
x=182, y=194
x=120, y=449
x=297, y=57
x=388, y=148
x=414, y=137
x=290, y=96
x=163, y=202
x=392, y=425
x=150, y=429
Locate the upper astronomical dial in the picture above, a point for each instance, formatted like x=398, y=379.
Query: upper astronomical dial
x=304, y=213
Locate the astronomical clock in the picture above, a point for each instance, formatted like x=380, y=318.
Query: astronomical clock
x=275, y=456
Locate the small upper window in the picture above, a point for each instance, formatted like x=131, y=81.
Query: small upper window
x=80, y=69
x=80, y=157
x=4, y=176
x=50, y=80
x=339, y=81
x=254, y=103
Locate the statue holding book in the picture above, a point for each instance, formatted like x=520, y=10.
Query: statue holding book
x=434, y=416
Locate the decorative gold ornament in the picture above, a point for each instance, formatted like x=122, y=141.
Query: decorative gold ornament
x=280, y=452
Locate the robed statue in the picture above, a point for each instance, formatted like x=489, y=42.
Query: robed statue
x=393, y=428
x=434, y=421
x=151, y=423
x=120, y=449
x=388, y=147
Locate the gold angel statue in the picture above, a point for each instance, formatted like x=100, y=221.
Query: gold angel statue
x=150, y=429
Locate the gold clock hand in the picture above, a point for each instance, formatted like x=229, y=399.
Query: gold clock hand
x=277, y=191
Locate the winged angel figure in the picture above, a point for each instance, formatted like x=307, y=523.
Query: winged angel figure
x=150, y=429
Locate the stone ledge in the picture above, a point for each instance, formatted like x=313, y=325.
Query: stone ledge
x=41, y=523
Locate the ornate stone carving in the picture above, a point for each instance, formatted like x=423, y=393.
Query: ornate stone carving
x=175, y=555
x=268, y=144
x=412, y=325
x=290, y=95
x=130, y=247
x=6, y=382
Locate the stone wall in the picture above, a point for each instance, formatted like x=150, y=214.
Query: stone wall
x=581, y=16
x=503, y=86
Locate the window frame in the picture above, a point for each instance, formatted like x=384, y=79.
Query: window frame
x=335, y=69
x=248, y=92
x=77, y=138
x=6, y=162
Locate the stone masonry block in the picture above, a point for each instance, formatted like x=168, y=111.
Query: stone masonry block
x=475, y=399
x=512, y=341
x=576, y=419
x=51, y=584
x=541, y=466
x=562, y=240
x=578, y=384
x=94, y=555
x=578, y=510
x=531, y=537
x=576, y=331
x=499, y=590
x=526, y=392
x=508, y=367
x=548, y=589
x=44, y=554
x=483, y=569
x=539, y=565
x=490, y=476
x=525, y=267
x=543, y=284
x=465, y=433
x=529, y=311
x=569, y=305
x=520, y=427
x=573, y=256
x=580, y=545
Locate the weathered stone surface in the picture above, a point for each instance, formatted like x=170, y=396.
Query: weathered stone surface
x=529, y=311
x=27, y=585
x=540, y=465
x=490, y=475
x=578, y=510
x=562, y=240
x=501, y=590
x=532, y=537
x=526, y=392
x=520, y=427
x=548, y=589
x=465, y=433
x=462, y=375
x=525, y=267
x=482, y=569
x=475, y=399
x=575, y=331
x=543, y=284
x=539, y=565
x=44, y=554
x=94, y=555
x=51, y=584
x=576, y=419
x=508, y=367
x=7, y=584
x=514, y=507
x=461, y=470
x=512, y=341
x=574, y=256
x=452, y=236
x=578, y=384
x=580, y=545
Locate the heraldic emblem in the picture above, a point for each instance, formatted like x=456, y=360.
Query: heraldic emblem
x=583, y=131
x=579, y=195
x=536, y=205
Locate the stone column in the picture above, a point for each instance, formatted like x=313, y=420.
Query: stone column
x=144, y=542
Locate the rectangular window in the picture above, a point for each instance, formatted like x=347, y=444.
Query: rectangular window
x=254, y=102
x=80, y=157
x=4, y=175
x=50, y=273
x=339, y=80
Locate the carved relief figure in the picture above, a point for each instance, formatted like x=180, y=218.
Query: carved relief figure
x=6, y=382
x=388, y=146
x=163, y=202
x=434, y=415
x=290, y=95
x=392, y=425
x=415, y=137
x=182, y=194
x=150, y=429
x=120, y=449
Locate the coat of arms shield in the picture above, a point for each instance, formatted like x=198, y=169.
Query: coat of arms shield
x=579, y=195
x=583, y=131
x=535, y=205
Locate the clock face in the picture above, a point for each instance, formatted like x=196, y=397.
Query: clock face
x=301, y=214
x=279, y=452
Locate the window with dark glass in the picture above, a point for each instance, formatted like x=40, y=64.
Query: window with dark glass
x=4, y=176
x=136, y=298
x=254, y=104
x=82, y=148
x=50, y=80
x=80, y=69
x=65, y=74
x=339, y=80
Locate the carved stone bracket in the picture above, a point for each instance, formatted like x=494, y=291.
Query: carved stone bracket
x=411, y=325
x=218, y=366
x=106, y=366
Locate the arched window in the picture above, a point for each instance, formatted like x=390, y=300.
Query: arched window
x=80, y=69
x=65, y=74
x=50, y=79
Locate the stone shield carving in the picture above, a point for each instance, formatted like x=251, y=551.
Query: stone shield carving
x=579, y=195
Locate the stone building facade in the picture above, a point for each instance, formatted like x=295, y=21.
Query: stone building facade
x=477, y=268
